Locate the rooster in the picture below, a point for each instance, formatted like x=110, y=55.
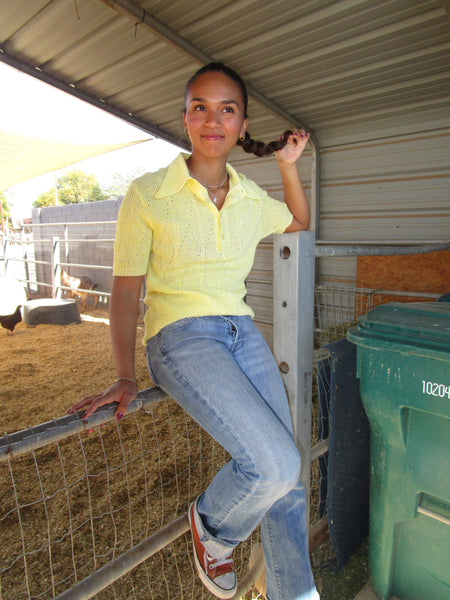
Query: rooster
x=10, y=321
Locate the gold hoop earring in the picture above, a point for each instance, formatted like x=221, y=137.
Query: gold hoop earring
x=241, y=137
x=186, y=133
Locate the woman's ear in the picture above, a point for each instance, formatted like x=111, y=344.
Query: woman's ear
x=244, y=127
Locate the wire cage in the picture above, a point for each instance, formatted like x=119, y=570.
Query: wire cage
x=336, y=308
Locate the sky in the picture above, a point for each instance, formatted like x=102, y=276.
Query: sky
x=47, y=116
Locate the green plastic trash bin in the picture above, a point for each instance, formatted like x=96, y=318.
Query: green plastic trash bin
x=403, y=363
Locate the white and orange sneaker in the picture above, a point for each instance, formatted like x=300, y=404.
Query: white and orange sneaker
x=217, y=575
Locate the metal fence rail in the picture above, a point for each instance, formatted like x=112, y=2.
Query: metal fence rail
x=42, y=276
x=88, y=510
x=105, y=509
x=103, y=513
x=34, y=257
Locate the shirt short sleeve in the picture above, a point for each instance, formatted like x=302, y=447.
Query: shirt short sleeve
x=276, y=216
x=134, y=235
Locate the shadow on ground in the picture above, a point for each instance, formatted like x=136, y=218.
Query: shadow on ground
x=348, y=581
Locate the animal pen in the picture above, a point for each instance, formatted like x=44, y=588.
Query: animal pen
x=104, y=514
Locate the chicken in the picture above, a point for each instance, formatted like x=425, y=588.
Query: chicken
x=10, y=321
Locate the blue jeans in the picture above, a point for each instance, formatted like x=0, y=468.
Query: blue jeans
x=220, y=370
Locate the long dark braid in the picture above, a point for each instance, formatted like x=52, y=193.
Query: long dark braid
x=248, y=144
x=259, y=148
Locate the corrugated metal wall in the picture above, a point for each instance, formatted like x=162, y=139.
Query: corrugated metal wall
x=385, y=187
x=388, y=183
x=260, y=281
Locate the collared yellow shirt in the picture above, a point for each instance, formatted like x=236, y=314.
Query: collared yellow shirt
x=195, y=257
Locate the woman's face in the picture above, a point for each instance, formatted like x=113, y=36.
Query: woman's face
x=214, y=117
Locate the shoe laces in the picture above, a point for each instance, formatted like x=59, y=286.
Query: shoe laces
x=213, y=563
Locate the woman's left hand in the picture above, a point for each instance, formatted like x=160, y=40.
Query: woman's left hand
x=294, y=147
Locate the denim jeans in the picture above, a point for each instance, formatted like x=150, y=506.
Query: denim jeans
x=220, y=370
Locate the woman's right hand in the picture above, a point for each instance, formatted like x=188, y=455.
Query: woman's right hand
x=123, y=314
x=122, y=391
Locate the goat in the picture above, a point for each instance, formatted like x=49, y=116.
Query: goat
x=77, y=286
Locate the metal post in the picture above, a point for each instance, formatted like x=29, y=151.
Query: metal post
x=294, y=258
x=315, y=186
x=25, y=258
x=109, y=573
x=66, y=245
x=5, y=253
x=56, y=268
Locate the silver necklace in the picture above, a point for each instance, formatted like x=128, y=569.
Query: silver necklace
x=212, y=187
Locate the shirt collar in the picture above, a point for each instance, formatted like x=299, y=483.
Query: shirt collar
x=177, y=174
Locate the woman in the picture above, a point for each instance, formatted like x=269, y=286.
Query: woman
x=192, y=230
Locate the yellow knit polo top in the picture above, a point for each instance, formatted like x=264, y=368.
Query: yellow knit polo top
x=195, y=257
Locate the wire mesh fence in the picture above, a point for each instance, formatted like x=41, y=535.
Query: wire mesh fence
x=32, y=256
x=73, y=501
x=319, y=436
x=337, y=307
x=77, y=503
x=82, y=500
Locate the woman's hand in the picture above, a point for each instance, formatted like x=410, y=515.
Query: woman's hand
x=123, y=314
x=294, y=147
x=122, y=391
x=294, y=194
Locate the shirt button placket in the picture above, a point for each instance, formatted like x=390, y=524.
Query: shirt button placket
x=220, y=235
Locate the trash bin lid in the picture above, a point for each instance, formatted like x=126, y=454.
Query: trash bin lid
x=425, y=324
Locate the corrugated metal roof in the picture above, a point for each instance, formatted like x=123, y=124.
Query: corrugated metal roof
x=371, y=78
x=320, y=62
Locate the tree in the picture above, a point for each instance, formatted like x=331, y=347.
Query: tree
x=121, y=180
x=45, y=199
x=5, y=211
x=74, y=187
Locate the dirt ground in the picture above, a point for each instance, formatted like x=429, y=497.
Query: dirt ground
x=94, y=485
x=46, y=368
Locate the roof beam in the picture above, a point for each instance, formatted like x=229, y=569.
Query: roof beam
x=140, y=16
x=98, y=102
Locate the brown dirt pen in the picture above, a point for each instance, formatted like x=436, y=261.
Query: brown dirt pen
x=79, y=503
x=73, y=506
